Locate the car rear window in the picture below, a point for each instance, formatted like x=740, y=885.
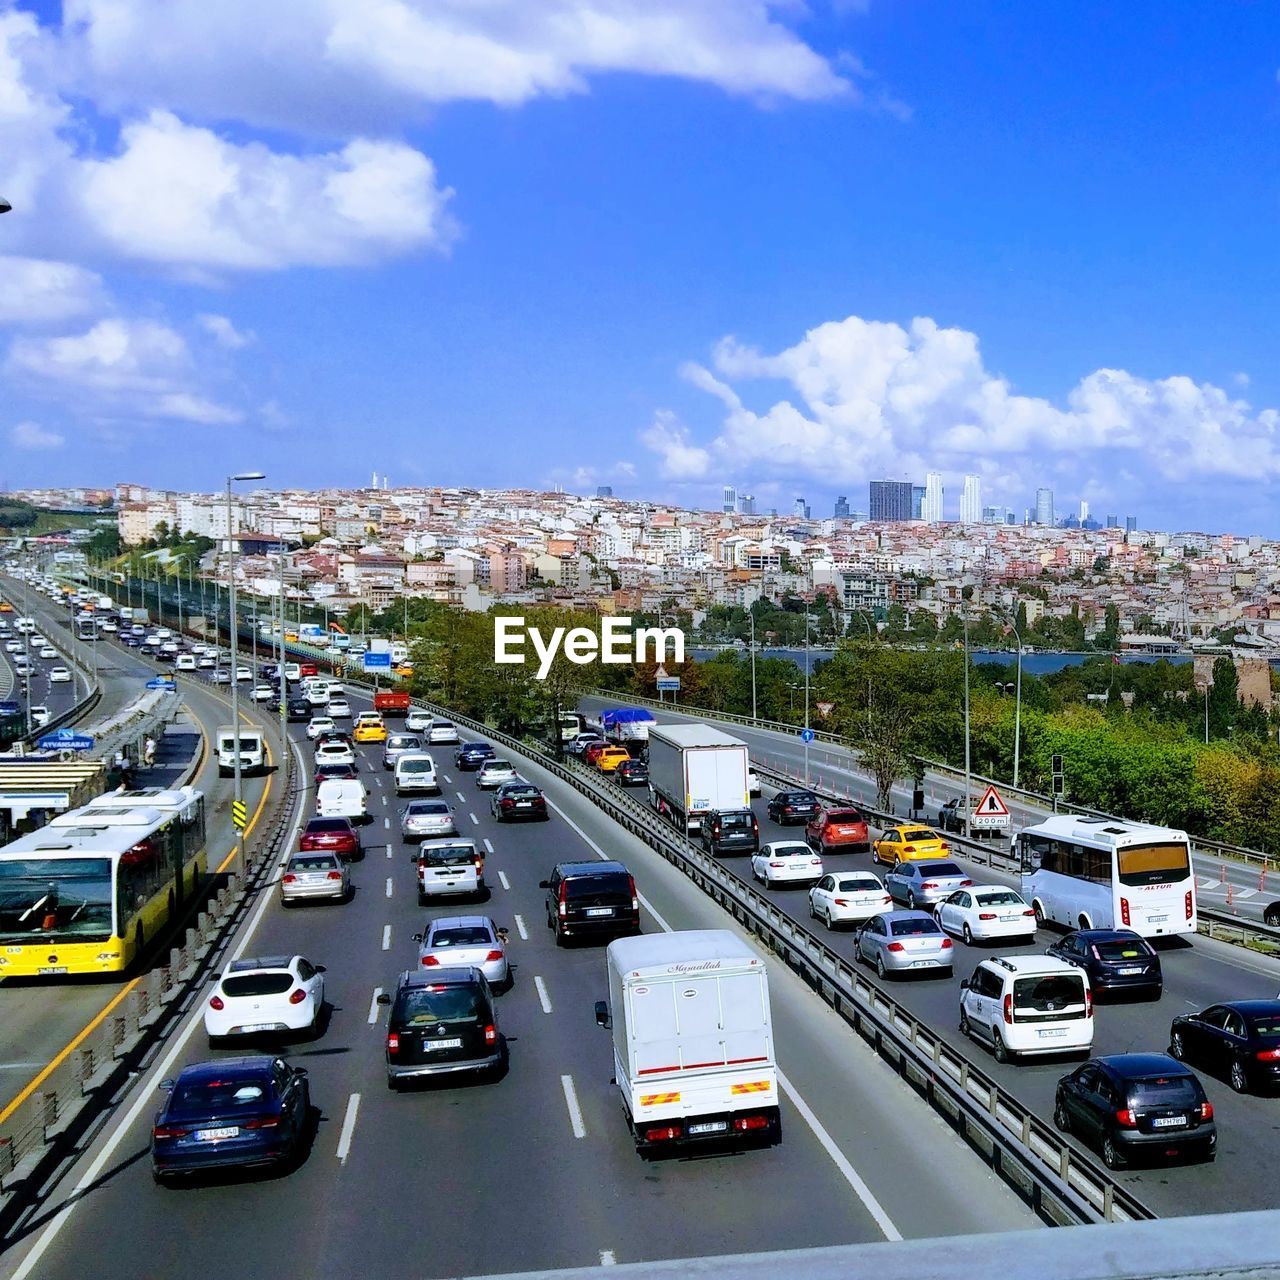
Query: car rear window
x=939, y=869
x=1164, y=1091
x=425, y=1007
x=844, y=815
x=583, y=886
x=321, y=826
x=320, y=862
x=729, y=821
x=415, y=766
x=1266, y=1027
x=204, y=1096
x=919, y=833
x=461, y=936
x=1048, y=991
x=403, y=741
x=1122, y=949
x=433, y=806
x=858, y=883
x=452, y=856
x=1004, y=898
x=497, y=764
x=910, y=928
x=257, y=984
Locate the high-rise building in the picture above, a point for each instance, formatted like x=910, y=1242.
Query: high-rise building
x=1113, y=522
x=1084, y=511
x=842, y=508
x=891, y=499
x=971, y=501
x=747, y=504
x=730, y=500
x=917, y=501
x=604, y=491
x=801, y=509
x=1131, y=524
x=931, y=507
x=1044, y=507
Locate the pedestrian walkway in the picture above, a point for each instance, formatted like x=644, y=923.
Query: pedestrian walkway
x=177, y=750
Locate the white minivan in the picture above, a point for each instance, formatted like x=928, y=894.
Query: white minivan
x=415, y=775
x=253, y=750
x=342, y=798
x=185, y=662
x=1024, y=1005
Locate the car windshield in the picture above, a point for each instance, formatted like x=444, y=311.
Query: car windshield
x=1142, y=864
x=451, y=855
x=424, y=1007
x=1164, y=1091
x=1122, y=949
x=1002, y=898
x=202, y=1097
x=1048, y=991
x=462, y=936
x=919, y=833
x=49, y=899
x=272, y=983
x=908, y=928
x=321, y=862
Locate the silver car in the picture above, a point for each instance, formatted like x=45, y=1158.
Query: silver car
x=314, y=875
x=396, y=745
x=494, y=772
x=466, y=940
x=902, y=942
x=422, y=819
x=924, y=883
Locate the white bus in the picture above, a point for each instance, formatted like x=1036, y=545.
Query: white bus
x=1108, y=873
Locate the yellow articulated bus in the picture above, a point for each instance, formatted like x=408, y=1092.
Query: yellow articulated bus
x=88, y=892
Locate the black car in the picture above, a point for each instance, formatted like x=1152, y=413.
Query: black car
x=790, y=807
x=471, y=755
x=442, y=1023
x=1239, y=1040
x=730, y=831
x=591, y=899
x=632, y=773
x=233, y=1112
x=298, y=709
x=1131, y=1103
x=1116, y=960
x=515, y=800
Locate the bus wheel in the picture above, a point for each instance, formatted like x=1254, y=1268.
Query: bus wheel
x=1084, y=922
x=1038, y=908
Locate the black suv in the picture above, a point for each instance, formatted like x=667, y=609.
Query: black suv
x=730, y=831
x=790, y=807
x=632, y=773
x=298, y=709
x=1128, y=1103
x=591, y=899
x=442, y=1022
x=1116, y=960
x=471, y=755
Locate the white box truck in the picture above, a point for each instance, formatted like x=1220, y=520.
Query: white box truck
x=692, y=1040
x=694, y=769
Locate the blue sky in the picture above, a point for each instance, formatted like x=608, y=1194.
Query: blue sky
x=657, y=244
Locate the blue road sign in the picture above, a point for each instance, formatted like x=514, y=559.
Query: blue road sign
x=162, y=682
x=65, y=740
x=377, y=662
x=806, y=735
x=670, y=683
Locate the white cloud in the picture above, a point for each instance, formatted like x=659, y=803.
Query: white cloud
x=32, y=436
x=872, y=399
x=37, y=291
x=224, y=333
x=118, y=367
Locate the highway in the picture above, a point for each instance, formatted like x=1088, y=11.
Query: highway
x=472, y=1179
x=1196, y=973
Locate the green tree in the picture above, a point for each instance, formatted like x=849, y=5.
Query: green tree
x=1224, y=697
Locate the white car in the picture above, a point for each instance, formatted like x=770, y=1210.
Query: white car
x=981, y=911
x=243, y=673
x=110, y=627
x=493, y=773
x=47, y=652
x=221, y=677
x=848, y=897
x=318, y=725
x=339, y=709
x=786, y=862
x=335, y=753
x=13, y=646
x=753, y=783
x=417, y=720
x=206, y=662
x=59, y=675
x=39, y=716
x=263, y=693
x=316, y=695
x=442, y=731
x=271, y=995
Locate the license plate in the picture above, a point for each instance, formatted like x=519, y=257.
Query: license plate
x=1049, y=1033
x=922, y=964
x=1129, y=973
x=1168, y=1122
x=455, y=1043
x=1158, y=919
x=524, y=804
x=599, y=911
x=709, y=1126
x=1008, y=919
x=216, y=1135
x=258, y=1026
x=56, y=968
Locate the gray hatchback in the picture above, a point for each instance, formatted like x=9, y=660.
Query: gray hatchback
x=924, y=883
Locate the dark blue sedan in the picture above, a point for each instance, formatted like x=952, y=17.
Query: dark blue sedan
x=233, y=1113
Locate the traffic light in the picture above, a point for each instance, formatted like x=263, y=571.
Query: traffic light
x=1056, y=767
x=1058, y=784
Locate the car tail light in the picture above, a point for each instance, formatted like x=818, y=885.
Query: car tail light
x=842, y=902
x=430, y=962
x=494, y=955
x=297, y=997
x=896, y=946
x=786, y=808
x=1029, y=912
x=663, y=1133
x=1268, y=1055
x=1187, y=905
x=491, y=1034
x=563, y=903
x=1126, y=1119
x=755, y=826
x=986, y=915
x=261, y=1122
x=1008, y=1009
x=334, y=875
x=964, y=884
x=777, y=864
x=929, y=884
x=1097, y=955
x=908, y=848
x=1088, y=1002
x=888, y=898
x=1205, y=1111
x=508, y=803
x=946, y=943
x=217, y=1003
x=169, y=1131
x=1124, y=910
x=635, y=897
x=815, y=862
x=289, y=879
x=747, y=1124
x=942, y=844
x=393, y=1042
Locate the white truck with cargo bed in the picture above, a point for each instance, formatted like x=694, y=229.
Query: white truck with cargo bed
x=692, y=1040
x=695, y=769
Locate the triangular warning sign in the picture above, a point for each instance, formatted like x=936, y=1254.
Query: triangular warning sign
x=991, y=806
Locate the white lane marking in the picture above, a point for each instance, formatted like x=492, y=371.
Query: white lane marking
x=386, y=937
x=520, y=929
x=386, y=824
x=390, y=886
x=147, y=1090
x=461, y=796
x=373, y=1006
x=502, y=879
x=390, y=851
x=575, y=1111
x=386, y=799
x=608, y=1258
x=474, y=819
x=448, y=779
x=348, y=1127
x=488, y=847
x=543, y=998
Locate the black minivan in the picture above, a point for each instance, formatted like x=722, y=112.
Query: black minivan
x=591, y=899
x=730, y=831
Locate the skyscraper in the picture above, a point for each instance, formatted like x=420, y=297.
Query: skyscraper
x=1113, y=522
x=931, y=507
x=971, y=501
x=842, y=508
x=891, y=500
x=730, y=500
x=917, y=500
x=1131, y=524
x=801, y=509
x=1084, y=510
x=747, y=504
x=1044, y=507
x=604, y=491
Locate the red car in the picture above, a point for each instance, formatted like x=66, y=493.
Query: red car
x=333, y=835
x=591, y=753
x=837, y=829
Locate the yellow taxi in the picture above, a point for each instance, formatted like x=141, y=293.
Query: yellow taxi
x=404, y=670
x=611, y=757
x=909, y=843
x=369, y=728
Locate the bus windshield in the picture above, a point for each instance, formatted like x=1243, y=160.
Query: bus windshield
x=1142, y=864
x=55, y=899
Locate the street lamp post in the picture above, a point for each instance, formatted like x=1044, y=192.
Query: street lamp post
x=968, y=798
x=237, y=776
x=752, y=617
x=1017, y=702
x=806, y=693
x=870, y=639
x=284, y=684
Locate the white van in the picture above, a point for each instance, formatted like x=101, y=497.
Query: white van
x=185, y=662
x=342, y=798
x=447, y=867
x=253, y=750
x=416, y=775
x=24, y=626
x=1027, y=1005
